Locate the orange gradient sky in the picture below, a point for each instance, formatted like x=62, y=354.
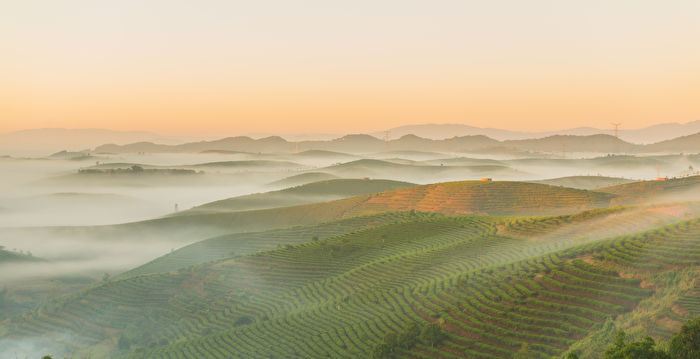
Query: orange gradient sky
x=226, y=67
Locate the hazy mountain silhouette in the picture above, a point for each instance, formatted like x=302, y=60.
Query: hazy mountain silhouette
x=651, y=134
x=370, y=144
x=50, y=140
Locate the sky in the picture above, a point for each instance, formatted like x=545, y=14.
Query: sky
x=225, y=67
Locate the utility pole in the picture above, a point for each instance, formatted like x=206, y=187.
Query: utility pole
x=563, y=150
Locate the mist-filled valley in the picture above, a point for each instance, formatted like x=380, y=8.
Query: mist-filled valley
x=216, y=252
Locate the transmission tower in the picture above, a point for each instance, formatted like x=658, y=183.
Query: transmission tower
x=616, y=128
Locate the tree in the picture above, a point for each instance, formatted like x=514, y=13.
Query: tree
x=524, y=352
x=47, y=357
x=381, y=351
x=572, y=355
x=408, y=338
x=642, y=349
x=686, y=344
x=123, y=343
x=392, y=340
x=431, y=334
x=136, y=168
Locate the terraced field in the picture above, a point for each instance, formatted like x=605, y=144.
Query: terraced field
x=239, y=244
x=489, y=290
x=690, y=302
x=594, y=224
x=483, y=197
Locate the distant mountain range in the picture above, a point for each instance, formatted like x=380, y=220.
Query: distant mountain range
x=426, y=137
x=466, y=144
x=50, y=140
x=647, y=135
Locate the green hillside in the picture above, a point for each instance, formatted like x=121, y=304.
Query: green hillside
x=487, y=292
x=239, y=244
x=322, y=191
x=596, y=224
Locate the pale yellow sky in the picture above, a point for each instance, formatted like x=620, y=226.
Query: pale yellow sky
x=226, y=67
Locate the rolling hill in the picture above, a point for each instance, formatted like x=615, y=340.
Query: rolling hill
x=320, y=154
x=485, y=197
x=465, y=197
x=322, y=191
x=690, y=143
x=301, y=179
x=672, y=189
x=585, y=182
x=596, y=224
x=259, y=165
x=558, y=143
x=239, y=244
x=416, y=171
